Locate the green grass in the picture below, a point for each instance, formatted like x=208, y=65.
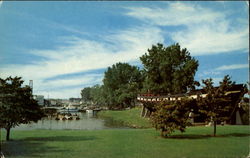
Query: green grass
x=129, y=118
x=196, y=142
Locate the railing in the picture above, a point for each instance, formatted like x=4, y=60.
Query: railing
x=156, y=97
x=147, y=97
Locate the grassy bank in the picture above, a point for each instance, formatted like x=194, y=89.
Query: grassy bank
x=232, y=142
x=129, y=117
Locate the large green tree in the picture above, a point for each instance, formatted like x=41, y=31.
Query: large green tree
x=169, y=69
x=122, y=83
x=217, y=105
x=85, y=93
x=17, y=105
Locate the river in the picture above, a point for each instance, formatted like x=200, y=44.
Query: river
x=86, y=122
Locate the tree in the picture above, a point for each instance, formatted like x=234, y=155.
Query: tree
x=85, y=93
x=169, y=69
x=97, y=95
x=122, y=82
x=217, y=105
x=17, y=105
x=172, y=115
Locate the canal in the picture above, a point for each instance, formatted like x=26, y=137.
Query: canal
x=86, y=122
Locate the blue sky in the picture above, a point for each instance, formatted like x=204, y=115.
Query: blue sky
x=65, y=46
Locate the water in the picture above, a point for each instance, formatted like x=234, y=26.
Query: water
x=86, y=122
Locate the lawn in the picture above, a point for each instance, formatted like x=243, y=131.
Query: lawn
x=129, y=117
x=196, y=142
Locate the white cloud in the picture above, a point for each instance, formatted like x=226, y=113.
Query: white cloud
x=82, y=55
x=205, y=31
x=207, y=40
x=79, y=80
x=208, y=73
x=173, y=14
x=64, y=88
x=232, y=67
x=62, y=94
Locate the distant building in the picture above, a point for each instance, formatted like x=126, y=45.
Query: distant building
x=65, y=102
x=39, y=99
x=75, y=100
x=54, y=102
x=46, y=103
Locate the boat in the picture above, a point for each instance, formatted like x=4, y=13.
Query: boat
x=68, y=109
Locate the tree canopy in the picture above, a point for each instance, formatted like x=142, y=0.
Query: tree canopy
x=17, y=104
x=168, y=69
x=85, y=93
x=122, y=82
x=97, y=95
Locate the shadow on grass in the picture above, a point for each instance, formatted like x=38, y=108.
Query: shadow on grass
x=194, y=136
x=18, y=148
x=234, y=135
x=37, y=146
x=61, y=138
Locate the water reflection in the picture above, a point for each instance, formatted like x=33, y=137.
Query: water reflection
x=88, y=121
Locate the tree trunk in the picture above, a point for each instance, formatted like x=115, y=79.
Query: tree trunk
x=143, y=111
x=215, y=128
x=162, y=133
x=146, y=112
x=8, y=134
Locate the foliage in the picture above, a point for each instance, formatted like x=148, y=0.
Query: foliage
x=216, y=105
x=94, y=95
x=97, y=95
x=17, y=104
x=169, y=69
x=172, y=115
x=122, y=82
x=85, y=93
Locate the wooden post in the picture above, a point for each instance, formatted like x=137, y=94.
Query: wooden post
x=143, y=111
x=146, y=112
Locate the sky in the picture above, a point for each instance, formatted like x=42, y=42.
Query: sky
x=65, y=46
